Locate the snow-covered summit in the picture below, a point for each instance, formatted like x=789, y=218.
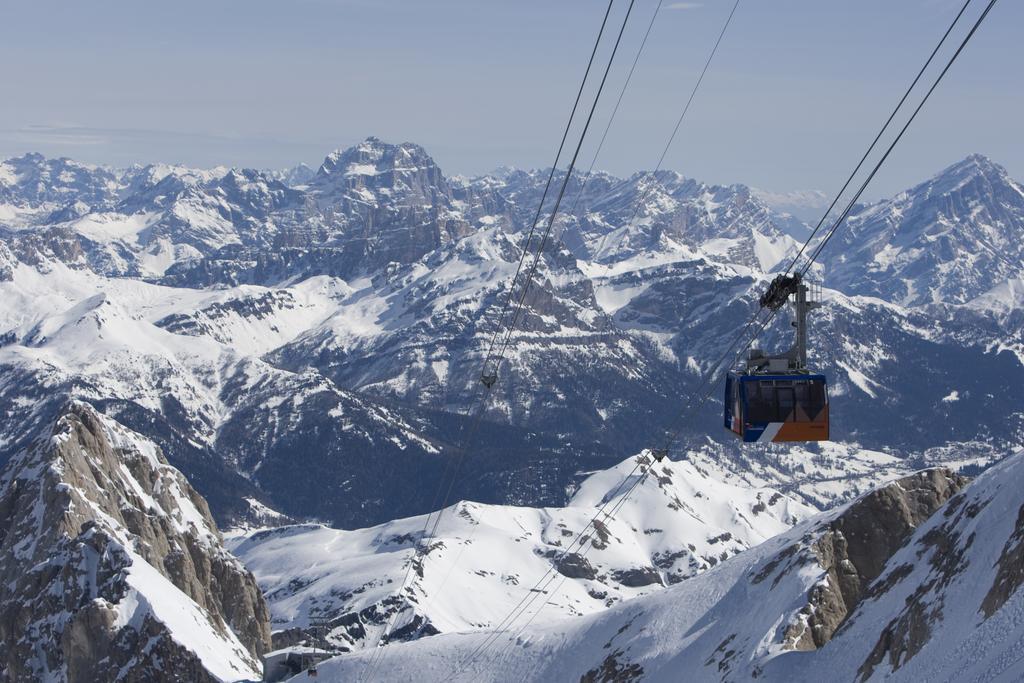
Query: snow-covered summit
x=373, y=157
x=949, y=239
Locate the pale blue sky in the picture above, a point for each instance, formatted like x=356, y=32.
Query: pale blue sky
x=796, y=91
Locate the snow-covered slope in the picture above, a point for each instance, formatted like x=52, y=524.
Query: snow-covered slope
x=111, y=562
x=775, y=612
x=947, y=607
x=682, y=521
x=185, y=365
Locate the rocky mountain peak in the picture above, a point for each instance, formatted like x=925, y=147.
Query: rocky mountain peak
x=658, y=214
x=971, y=167
x=154, y=187
x=253, y=190
x=949, y=239
x=381, y=203
x=373, y=156
x=116, y=564
x=966, y=180
x=294, y=176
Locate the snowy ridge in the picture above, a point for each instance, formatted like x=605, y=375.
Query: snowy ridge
x=681, y=522
x=779, y=611
x=110, y=556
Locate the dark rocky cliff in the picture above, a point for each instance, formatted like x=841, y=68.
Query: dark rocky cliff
x=112, y=567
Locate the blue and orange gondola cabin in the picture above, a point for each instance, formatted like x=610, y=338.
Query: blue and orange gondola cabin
x=777, y=398
x=784, y=407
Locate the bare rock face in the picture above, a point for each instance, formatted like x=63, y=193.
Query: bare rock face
x=7, y=263
x=957, y=582
x=112, y=566
x=856, y=545
x=1010, y=569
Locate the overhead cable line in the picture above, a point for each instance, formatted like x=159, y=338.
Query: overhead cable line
x=490, y=359
x=542, y=584
x=532, y=594
x=837, y=224
x=375, y=659
x=540, y=588
x=489, y=378
x=540, y=249
x=615, y=110
x=881, y=132
x=547, y=187
x=839, y=221
x=679, y=122
x=899, y=136
x=561, y=194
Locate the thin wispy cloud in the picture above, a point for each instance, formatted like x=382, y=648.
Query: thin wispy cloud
x=73, y=134
x=124, y=146
x=58, y=134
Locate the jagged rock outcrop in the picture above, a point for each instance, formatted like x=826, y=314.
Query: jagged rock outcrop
x=112, y=567
x=856, y=546
x=948, y=605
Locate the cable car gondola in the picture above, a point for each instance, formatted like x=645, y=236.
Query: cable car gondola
x=777, y=398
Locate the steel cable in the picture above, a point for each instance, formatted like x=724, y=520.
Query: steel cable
x=717, y=366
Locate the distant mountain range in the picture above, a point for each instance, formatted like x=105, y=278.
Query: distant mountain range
x=310, y=341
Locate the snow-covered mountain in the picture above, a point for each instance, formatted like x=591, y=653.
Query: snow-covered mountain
x=280, y=341
x=111, y=562
x=918, y=580
x=31, y=183
x=950, y=239
x=683, y=520
x=307, y=346
x=117, y=344
x=297, y=175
